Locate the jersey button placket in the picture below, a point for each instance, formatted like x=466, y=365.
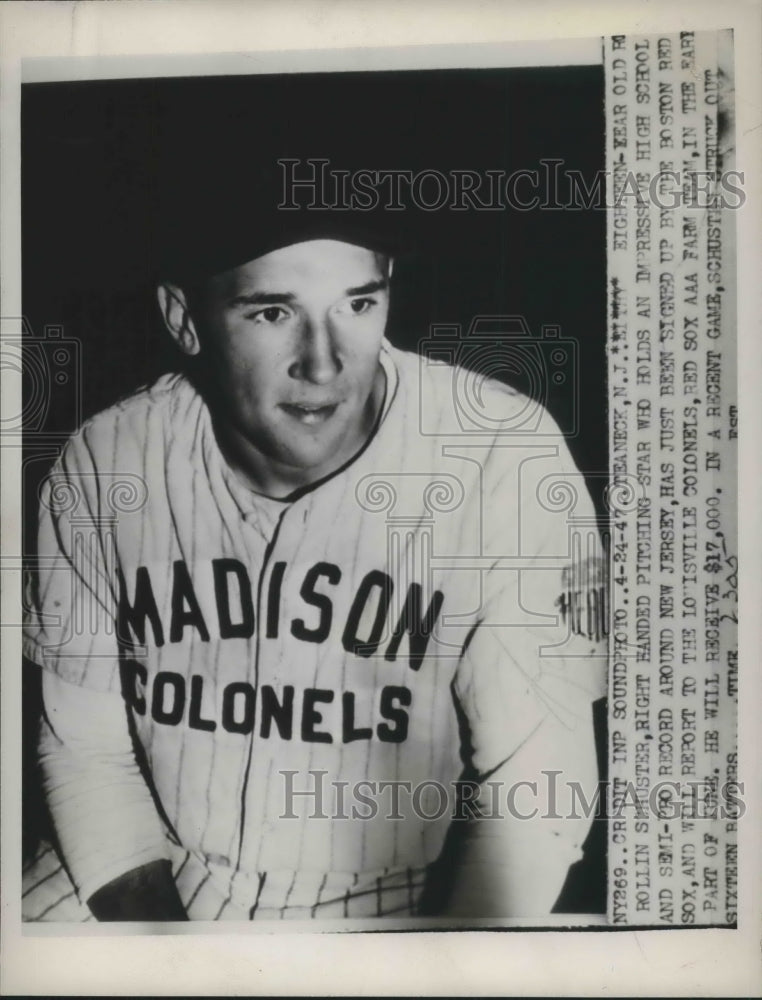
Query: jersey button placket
x=261, y=545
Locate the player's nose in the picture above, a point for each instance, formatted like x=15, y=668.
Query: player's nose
x=317, y=359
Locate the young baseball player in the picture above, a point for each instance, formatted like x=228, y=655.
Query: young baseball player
x=338, y=615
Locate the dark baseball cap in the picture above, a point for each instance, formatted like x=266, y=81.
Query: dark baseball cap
x=227, y=211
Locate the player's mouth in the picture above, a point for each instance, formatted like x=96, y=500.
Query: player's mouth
x=310, y=415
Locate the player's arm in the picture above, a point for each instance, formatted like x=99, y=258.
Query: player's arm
x=526, y=684
x=530, y=821
x=107, y=826
x=105, y=819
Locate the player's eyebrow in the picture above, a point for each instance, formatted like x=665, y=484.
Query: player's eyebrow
x=369, y=287
x=261, y=298
x=275, y=298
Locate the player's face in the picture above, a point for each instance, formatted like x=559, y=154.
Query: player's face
x=293, y=341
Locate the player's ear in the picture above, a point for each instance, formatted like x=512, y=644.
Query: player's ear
x=177, y=318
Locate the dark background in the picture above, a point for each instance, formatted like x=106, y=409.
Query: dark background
x=118, y=175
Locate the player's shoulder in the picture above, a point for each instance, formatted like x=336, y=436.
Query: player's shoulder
x=119, y=436
x=454, y=399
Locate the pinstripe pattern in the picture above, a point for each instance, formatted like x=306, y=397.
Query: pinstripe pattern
x=52, y=897
x=47, y=893
x=223, y=788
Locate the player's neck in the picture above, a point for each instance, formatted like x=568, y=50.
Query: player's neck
x=263, y=474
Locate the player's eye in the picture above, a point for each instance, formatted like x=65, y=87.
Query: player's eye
x=356, y=307
x=270, y=314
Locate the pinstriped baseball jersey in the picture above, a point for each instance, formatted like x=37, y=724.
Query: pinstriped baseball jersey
x=409, y=616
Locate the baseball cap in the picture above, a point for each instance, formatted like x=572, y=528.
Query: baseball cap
x=224, y=210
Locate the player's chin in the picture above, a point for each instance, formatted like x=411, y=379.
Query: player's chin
x=310, y=445
x=320, y=456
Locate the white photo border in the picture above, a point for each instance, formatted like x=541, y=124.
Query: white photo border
x=700, y=962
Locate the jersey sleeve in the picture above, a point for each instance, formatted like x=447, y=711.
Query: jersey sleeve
x=539, y=648
x=71, y=621
x=102, y=809
x=533, y=815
